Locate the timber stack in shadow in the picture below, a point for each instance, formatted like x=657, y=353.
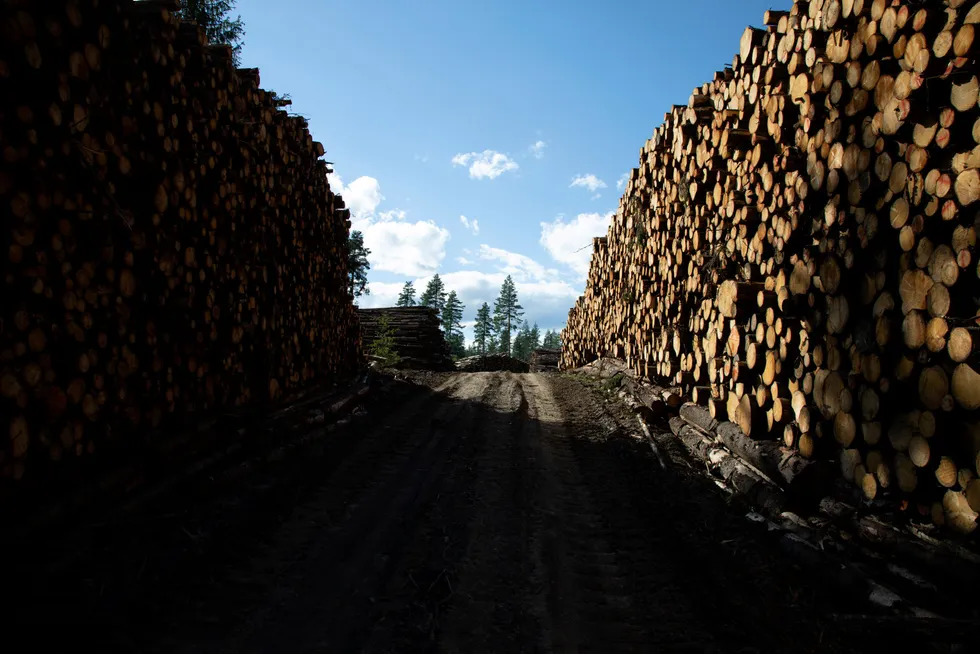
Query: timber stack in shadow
x=416, y=336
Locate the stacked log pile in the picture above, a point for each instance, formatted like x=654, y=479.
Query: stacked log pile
x=544, y=359
x=797, y=249
x=492, y=363
x=171, y=245
x=417, y=338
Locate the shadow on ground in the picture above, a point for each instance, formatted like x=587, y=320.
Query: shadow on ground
x=484, y=512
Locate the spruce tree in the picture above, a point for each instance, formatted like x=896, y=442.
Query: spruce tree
x=483, y=330
x=452, y=317
x=434, y=296
x=215, y=17
x=357, y=264
x=552, y=340
x=507, y=313
x=523, y=343
x=407, y=296
x=534, y=338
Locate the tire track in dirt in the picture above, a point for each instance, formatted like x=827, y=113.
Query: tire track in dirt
x=248, y=576
x=329, y=593
x=495, y=512
x=588, y=597
x=488, y=608
x=699, y=578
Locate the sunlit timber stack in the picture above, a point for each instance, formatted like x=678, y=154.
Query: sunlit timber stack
x=171, y=243
x=797, y=249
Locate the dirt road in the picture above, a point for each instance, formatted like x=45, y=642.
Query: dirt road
x=481, y=512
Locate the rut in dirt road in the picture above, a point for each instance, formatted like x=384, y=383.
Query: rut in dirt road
x=469, y=512
x=510, y=513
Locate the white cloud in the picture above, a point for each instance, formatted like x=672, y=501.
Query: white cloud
x=463, y=261
x=406, y=248
x=382, y=294
x=362, y=196
x=485, y=165
x=571, y=243
x=537, y=149
x=589, y=181
x=394, y=214
x=622, y=180
x=471, y=225
x=597, y=196
x=396, y=245
x=519, y=266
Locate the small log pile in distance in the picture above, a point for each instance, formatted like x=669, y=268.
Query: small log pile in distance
x=417, y=338
x=492, y=363
x=544, y=359
x=797, y=249
x=170, y=241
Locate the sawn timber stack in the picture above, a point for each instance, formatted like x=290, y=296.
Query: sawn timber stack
x=797, y=249
x=418, y=340
x=171, y=244
x=544, y=359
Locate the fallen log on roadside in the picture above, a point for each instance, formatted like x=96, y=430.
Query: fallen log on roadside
x=804, y=477
x=739, y=477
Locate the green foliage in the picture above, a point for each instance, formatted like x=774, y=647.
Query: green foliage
x=526, y=341
x=641, y=236
x=483, y=330
x=407, y=297
x=552, y=340
x=383, y=345
x=452, y=317
x=507, y=311
x=357, y=264
x=434, y=296
x=457, y=346
x=614, y=382
x=215, y=17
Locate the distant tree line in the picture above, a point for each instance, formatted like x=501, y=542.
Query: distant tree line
x=499, y=330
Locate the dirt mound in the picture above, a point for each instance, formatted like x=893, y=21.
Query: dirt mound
x=492, y=363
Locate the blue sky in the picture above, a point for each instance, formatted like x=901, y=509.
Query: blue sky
x=436, y=110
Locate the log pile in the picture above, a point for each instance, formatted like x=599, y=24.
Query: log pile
x=544, y=360
x=492, y=363
x=171, y=245
x=417, y=338
x=797, y=249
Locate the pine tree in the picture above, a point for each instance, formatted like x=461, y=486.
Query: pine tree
x=534, y=338
x=552, y=340
x=214, y=17
x=506, y=314
x=483, y=330
x=452, y=317
x=407, y=296
x=383, y=345
x=434, y=296
x=357, y=264
x=523, y=343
